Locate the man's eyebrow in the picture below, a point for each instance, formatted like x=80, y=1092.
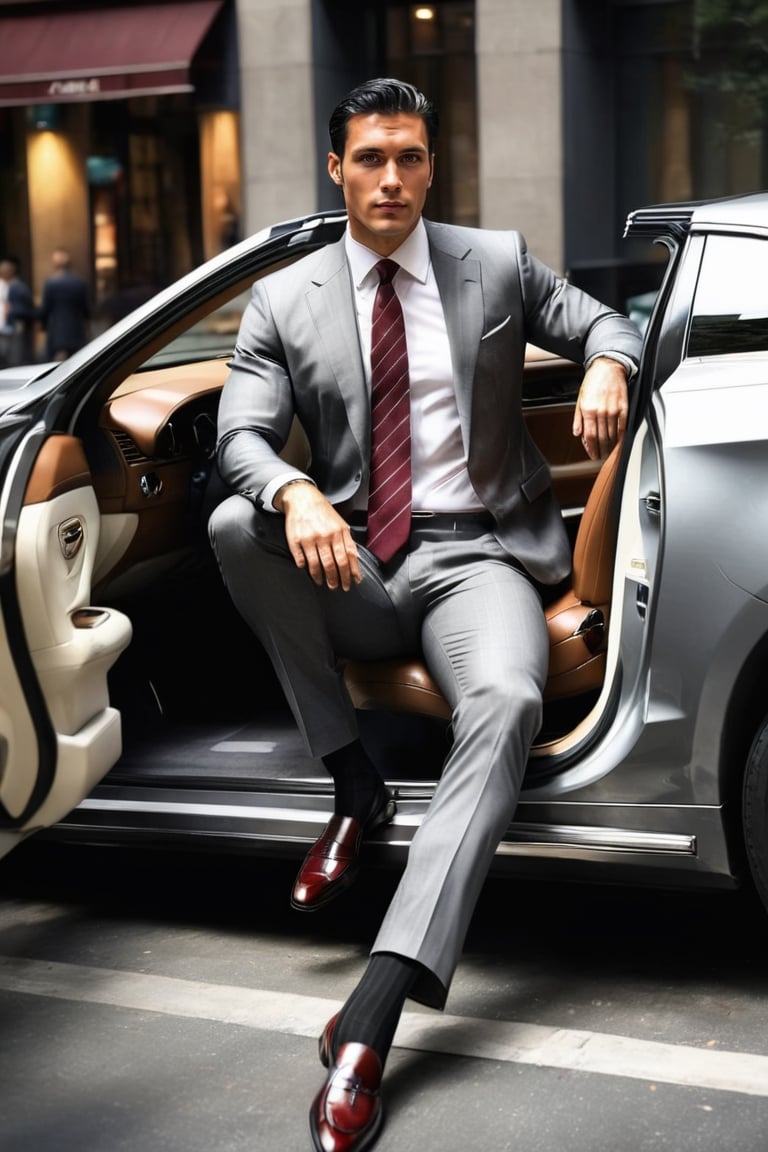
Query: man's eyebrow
x=363, y=148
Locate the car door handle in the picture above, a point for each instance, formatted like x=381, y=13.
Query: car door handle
x=71, y=536
x=653, y=504
x=641, y=600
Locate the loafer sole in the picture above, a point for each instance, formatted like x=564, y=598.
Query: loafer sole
x=360, y=1146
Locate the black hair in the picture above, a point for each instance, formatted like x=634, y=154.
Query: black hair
x=386, y=96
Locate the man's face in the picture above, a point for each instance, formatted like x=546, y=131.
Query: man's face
x=385, y=174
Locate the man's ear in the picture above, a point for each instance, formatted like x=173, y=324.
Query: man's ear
x=431, y=169
x=334, y=168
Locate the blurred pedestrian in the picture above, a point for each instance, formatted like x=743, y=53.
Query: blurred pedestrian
x=18, y=323
x=65, y=311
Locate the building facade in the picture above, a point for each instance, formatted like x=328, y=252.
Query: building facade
x=120, y=140
x=147, y=136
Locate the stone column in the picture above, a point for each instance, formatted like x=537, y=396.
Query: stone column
x=519, y=70
x=277, y=117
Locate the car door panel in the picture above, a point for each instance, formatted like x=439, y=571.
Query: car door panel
x=71, y=643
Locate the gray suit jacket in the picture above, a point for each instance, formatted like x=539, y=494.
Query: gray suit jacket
x=298, y=354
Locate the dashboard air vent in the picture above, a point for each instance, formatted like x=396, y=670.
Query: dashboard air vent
x=131, y=453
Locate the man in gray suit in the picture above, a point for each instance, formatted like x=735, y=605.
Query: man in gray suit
x=483, y=534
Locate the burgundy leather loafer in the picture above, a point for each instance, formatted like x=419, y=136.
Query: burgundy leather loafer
x=332, y=862
x=346, y=1114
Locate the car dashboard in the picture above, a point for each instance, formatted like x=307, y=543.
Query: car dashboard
x=151, y=458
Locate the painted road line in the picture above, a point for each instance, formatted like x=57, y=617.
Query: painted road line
x=297, y=1015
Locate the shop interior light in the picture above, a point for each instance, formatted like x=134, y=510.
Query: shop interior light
x=424, y=13
x=43, y=117
x=102, y=170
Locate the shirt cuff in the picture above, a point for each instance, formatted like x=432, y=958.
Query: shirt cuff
x=269, y=491
x=629, y=366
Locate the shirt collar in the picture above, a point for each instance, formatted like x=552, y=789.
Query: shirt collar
x=412, y=256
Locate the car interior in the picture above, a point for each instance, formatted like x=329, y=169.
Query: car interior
x=118, y=582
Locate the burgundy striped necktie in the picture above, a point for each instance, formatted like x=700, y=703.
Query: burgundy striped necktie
x=389, y=499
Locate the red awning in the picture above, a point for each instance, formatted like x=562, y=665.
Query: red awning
x=101, y=54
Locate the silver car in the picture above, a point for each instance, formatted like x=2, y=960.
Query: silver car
x=136, y=706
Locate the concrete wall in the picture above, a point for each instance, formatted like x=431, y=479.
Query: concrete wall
x=277, y=114
x=519, y=60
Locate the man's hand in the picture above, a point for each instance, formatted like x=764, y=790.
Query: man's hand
x=319, y=539
x=601, y=408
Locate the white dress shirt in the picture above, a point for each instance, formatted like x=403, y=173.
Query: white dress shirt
x=439, y=478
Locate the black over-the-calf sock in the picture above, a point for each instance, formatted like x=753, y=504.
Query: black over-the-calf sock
x=372, y=1012
x=356, y=780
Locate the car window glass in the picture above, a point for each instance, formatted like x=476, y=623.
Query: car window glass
x=212, y=336
x=730, y=307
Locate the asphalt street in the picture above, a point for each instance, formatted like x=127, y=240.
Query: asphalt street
x=164, y=1002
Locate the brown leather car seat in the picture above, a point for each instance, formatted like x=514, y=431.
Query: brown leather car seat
x=577, y=622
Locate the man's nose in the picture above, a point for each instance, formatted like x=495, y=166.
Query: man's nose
x=390, y=177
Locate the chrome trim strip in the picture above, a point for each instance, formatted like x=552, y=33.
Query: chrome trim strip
x=520, y=839
x=182, y=808
x=757, y=230
x=546, y=838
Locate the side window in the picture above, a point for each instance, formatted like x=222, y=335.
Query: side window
x=730, y=306
x=212, y=336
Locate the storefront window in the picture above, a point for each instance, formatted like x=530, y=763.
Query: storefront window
x=433, y=47
x=220, y=180
x=145, y=198
x=429, y=45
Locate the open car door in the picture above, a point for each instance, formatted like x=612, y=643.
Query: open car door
x=58, y=733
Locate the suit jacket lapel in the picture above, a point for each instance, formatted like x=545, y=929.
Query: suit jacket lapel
x=331, y=302
x=459, y=281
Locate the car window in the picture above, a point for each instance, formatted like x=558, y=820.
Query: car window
x=640, y=307
x=212, y=336
x=730, y=306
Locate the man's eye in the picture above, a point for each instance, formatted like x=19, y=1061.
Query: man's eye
x=412, y=158
x=368, y=158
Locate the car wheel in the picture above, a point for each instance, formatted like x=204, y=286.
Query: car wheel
x=755, y=812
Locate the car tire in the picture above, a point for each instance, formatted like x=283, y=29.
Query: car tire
x=755, y=812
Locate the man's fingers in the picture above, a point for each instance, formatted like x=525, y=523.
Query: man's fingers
x=331, y=562
x=318, y=537
x=313, y=563
x=600, y=417
x=346, y=562
x=329, y=571
x=601, y=431
x=297, y=552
